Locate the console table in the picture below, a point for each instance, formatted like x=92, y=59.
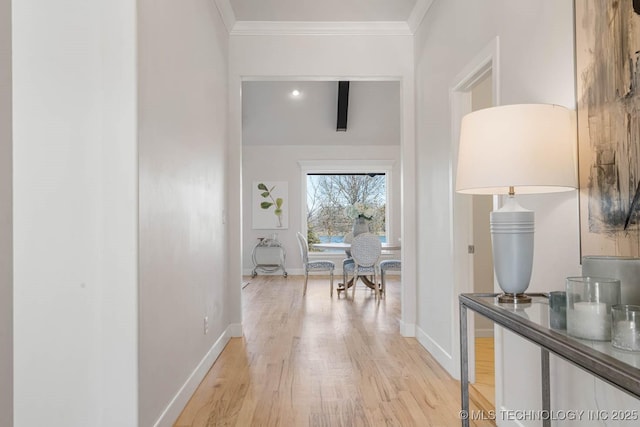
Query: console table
x=531, y=321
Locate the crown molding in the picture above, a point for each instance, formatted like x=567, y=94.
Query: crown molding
x=277, y=28
x=227, y=14
x=418, y=13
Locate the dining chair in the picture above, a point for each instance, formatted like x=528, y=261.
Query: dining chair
x=388, y=265
x=348, y=238
x=347, y=263
x=365, y=251
x=318, y=265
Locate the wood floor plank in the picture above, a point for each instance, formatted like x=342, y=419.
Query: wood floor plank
x=319, y=361
x=485, y=374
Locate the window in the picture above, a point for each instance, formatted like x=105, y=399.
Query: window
x=331, y=189
x=330, y=195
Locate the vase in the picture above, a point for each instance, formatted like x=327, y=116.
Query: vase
x=625, y=269
x=589, y=303
x=360, y=225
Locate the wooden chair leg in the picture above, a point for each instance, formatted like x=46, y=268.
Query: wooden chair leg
x=306, y=278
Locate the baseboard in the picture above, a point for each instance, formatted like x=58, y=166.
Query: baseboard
x=439, y=354
x=290, y=272
x=407, y=329
x=177, y=404
x=235, y=330
x=295, y=272
x=503, y=416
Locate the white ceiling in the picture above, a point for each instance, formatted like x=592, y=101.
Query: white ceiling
x=322, y=10
x=271, y=116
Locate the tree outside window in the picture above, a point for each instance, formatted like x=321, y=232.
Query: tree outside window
x=328, y=195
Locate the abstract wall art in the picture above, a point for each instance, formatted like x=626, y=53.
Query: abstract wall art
x=608, y=98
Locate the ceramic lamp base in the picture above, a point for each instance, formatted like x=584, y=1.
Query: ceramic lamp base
x=512, y=229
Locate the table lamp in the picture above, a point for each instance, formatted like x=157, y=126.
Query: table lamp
x=524, y=149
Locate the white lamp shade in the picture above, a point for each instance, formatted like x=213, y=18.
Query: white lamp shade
x=531, y=147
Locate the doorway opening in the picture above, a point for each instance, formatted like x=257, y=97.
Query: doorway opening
x=476, y=87
x=288, y=127
x=482, y=267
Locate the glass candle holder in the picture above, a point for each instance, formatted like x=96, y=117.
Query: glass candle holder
x=589, y=302
x=558, y=310
x=625, y=327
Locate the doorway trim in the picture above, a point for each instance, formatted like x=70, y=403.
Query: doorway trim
x=461, y=233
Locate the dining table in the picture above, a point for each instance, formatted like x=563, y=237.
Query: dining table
x=346, y=246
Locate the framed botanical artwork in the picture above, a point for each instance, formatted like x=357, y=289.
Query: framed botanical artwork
x=607, y=88
x=269, y=205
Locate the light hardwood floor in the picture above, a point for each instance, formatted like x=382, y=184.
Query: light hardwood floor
x=322, y=361
x=485, y=376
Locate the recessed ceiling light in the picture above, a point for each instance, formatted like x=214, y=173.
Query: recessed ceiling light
x=295, y=93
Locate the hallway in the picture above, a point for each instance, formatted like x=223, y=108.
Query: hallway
x=321, y=361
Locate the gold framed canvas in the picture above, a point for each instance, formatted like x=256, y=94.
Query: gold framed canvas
x=607, y=89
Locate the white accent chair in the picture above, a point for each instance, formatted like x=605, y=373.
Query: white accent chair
x=347, y=263
x=365, y=251
x=319, y=265
x=348, y=238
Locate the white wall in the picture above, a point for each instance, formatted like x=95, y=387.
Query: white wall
x=322, y=57
x=6, y=222
x=74, y=172
x=440, y=57
x=535, y=64
x=76, y=224
x=183, y=188
x=282, y=165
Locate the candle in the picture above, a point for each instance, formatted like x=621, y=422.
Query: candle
x=589, y=300
x=625, y=335
x=558, y=309
x=589, y=320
